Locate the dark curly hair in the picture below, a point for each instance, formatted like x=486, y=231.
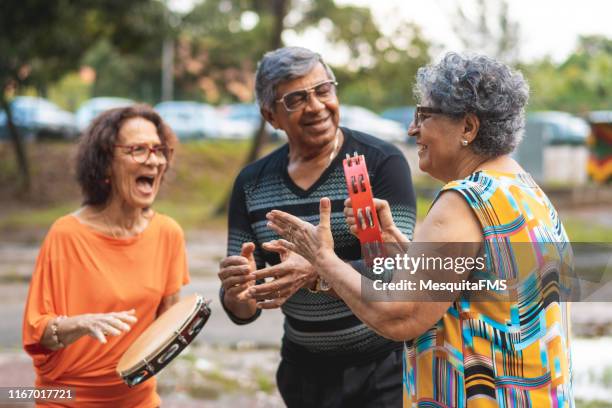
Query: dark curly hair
x=95, y=153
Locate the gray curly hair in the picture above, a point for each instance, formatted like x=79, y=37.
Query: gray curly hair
x=481, y=85
x=280, y=65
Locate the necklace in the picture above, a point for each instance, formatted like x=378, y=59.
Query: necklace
x=333, y=152
x=108, y=226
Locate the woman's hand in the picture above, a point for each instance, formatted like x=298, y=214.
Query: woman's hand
x=302, y=237
x=96, y=325
x=100, y=325
x=390, y=233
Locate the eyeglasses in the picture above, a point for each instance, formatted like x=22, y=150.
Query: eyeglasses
x=141, y=152
x=297, y=100
x=421, y=112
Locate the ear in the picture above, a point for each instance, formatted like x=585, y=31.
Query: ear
x=270, y=117
x=471, y=125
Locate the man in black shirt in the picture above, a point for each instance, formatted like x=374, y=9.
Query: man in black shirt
x=329, y=357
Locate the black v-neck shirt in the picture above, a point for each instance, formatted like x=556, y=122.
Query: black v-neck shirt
x=319, y=326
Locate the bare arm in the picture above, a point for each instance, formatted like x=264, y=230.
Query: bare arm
x=96, y=325
x=450, y=220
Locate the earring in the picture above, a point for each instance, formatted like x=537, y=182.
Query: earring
x=464, y=143
x=107, y=180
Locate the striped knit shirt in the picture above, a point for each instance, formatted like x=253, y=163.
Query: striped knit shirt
x=319, y=326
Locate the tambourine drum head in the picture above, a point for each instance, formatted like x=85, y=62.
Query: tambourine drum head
x=158, y=333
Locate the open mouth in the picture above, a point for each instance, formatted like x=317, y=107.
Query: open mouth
x=421, y=148
x=145, y=184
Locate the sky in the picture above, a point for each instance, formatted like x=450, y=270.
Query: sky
x=547, y=27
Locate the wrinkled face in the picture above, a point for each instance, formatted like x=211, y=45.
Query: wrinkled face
x=136, y=185
x=314, y=125
x=438, y=138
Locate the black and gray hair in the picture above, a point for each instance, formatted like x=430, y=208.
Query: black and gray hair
x=280, y=65
x=477, y=84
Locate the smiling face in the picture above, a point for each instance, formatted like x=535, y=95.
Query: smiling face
x=316, y=124
x=438, y=138
x=135, y=185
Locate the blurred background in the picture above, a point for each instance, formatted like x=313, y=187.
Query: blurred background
x=62, y=62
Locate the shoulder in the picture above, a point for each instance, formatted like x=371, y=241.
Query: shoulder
x=450, y=219
x=477, y=188
x=64, y=227
x=168, y=225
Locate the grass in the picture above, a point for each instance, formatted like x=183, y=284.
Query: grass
x=198, y=183
x=593, y=404
x=579, y=230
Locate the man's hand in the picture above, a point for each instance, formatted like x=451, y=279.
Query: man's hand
x=237, y=275
x=291, y=274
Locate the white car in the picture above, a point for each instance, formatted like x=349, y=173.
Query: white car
x=364, y=120
x=93, y=107
x=38, y=118
x=189, y=119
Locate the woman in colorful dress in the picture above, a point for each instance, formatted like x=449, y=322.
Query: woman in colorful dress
x=107, y=270
x=461, y=352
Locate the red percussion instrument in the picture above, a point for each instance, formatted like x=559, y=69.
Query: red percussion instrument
x=360, y=192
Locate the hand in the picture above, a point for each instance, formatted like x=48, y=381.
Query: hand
x=236, y=274
x=302, y=237
x=387, y=226
x=96, y=325
x=291, y=274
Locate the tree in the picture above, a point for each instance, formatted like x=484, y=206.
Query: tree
x=579, y=84
x=492, y=33
x=42, y=41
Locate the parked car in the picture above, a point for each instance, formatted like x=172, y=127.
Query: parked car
x=364, y=120
x=93, y=107
x=557, y=128
x=246, y=118
x=189, y=119
x=38, y=118
x=401, y=114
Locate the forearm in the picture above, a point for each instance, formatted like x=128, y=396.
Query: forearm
x=390, y=319
x=68, y=331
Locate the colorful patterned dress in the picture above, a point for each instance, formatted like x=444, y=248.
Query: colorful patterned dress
x=514, y=353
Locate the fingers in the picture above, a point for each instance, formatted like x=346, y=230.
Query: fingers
x=289, y=246
x=235, y=270
x=97, y=334
x=237, y=281
x=324, y=212
x=284, y=220
x=274, y=246
x=275, y=271
x=233, y=260
x=128, y=316
x=348, y=203
x=381, y=205
x=247, y=249
x=108, y=329
x=272, y=304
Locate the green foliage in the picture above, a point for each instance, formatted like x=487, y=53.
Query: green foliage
x=580, y=84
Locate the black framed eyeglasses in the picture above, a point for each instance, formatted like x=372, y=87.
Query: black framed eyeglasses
x=422, y=112
x=141, y=152
x=297, y=100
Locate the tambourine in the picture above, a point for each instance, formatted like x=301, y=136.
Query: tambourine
x=163, y=340
x=362, y=199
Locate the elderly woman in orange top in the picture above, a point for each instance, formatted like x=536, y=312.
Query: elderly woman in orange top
x=107, y=270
